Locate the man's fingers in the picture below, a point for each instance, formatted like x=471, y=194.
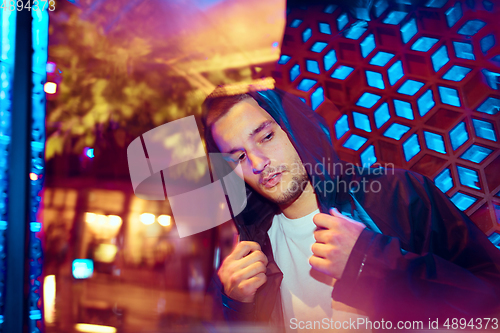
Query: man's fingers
x=323, y=236
x=253, y=257
x=320, y=264
x=335, y=212
x=244, y=248
x=250, y=271
x=320, y=250
x=324, y=221
x=254, y=282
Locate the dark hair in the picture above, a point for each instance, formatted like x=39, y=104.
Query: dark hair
x=215, y=106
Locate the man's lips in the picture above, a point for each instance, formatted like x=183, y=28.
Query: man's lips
x=272, y=180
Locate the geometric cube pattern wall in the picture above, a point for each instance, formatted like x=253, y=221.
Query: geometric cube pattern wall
x=414, y=86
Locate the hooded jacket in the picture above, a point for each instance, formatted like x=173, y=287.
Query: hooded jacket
x=419, y=257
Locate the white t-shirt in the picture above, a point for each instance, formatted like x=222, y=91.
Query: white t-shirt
x=305, y=292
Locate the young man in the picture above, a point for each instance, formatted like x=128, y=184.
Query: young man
x=323, y=244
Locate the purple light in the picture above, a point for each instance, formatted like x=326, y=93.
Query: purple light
x=51, y=67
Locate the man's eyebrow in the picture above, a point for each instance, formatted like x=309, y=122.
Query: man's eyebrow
x=260, y=128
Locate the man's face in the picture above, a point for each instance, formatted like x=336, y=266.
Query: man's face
x=270, y=163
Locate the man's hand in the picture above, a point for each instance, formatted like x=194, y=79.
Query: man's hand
x=335, y=238
x=243, y=271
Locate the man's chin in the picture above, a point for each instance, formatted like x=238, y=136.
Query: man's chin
x=285, y=192
x=284, y=198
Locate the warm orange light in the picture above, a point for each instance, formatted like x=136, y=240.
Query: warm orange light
x=114, y=221
x=147, y=218
x=49, y=298
x=164, y=220
x=33, y=176
x=90, y=217
x=91, y=328
x=102, y=225
x=50, y=88
x=105, y=253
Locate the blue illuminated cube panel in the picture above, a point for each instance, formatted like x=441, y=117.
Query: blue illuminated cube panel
x=411, y=147
x=456, y=73
x=408, y=30
x=325, y=28
x=464, y=50
x=403, y=109
x=294, y=72
x=295, y=23
x=342, y=72
x=356, y=30
x=425, y=102
x=367, y=100
x=462, y=201
x=341, y=126
x=361, y=121
x=375, y=79
x=410, y=87
x=449, y=96
x=424, y=44
x=454, y=14
x=476, y=154
x=342, y=21
x=382, y=115
x=416, y=84
x=318, y=47
x=317, y=97
x=395, y=72
x=367, y=45
x=435, y=3
x=458, y=136
x=355, y=142
x=487, y=43
x=368, y=156
x=330, y=59
x=284, y=59
x=306, y=35
x=306, y=84
x=471, y=27
x=395, y=17
x=434, y=142
x=396, y=131
x=468, y=177
x=444, y=181
x=381, y=59
x=312, y=66
x=440, y=58
x=484, y=129
x=490, y=106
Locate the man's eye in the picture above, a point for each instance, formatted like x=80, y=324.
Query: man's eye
x=268, y=137
x=241, y=157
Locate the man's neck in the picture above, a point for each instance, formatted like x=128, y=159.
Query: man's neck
x=304, y=205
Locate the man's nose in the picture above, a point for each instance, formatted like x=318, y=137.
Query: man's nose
x=259, y=162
